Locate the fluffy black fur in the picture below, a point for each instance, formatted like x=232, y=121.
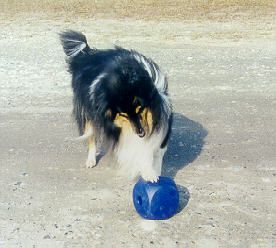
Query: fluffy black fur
x=119, y=78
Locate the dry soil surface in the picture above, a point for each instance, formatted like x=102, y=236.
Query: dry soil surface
x=222, y=153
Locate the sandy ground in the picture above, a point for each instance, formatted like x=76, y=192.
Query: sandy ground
x=222, y=153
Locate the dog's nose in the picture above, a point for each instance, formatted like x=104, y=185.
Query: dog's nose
x=141, y=132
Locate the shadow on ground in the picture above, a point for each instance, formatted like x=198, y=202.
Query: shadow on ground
x=185, y=145
x=184, y=196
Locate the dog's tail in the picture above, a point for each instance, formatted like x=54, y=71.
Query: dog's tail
x=74, y=43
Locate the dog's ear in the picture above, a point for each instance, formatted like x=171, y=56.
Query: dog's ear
x=74, y=43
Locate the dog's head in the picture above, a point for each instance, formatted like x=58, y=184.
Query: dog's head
x=130, y=94
x=136, y=116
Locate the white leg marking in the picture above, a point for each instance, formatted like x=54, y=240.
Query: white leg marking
x=91, y=159
x=158, y=159
x=148, y=172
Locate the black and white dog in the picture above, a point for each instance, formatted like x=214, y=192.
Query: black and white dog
x=120, y=97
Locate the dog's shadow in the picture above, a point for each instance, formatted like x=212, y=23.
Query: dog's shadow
x=185, y=145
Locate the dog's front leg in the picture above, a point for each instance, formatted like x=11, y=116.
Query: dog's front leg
x=91, y=159
x=158, y=160
x=92, y=148
x=148, y=172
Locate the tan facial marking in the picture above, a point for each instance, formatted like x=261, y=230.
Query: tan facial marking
x=121, y=120
x=124, y=123
x=137, y=109
x=146, y=117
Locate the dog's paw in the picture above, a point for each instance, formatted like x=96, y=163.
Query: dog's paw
x=150, y=176
x=90, y=163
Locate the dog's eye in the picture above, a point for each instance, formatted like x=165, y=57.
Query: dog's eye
x=139, y=109
x=137, y=102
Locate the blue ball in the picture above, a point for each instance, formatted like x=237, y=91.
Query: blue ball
x=156, y=201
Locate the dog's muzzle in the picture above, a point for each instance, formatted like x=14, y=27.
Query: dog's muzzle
x=141, y=132
x=137, y=127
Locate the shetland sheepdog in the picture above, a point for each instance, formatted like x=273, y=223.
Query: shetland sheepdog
x=120, y=99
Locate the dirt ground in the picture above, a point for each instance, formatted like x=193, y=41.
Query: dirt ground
x=220, y=58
